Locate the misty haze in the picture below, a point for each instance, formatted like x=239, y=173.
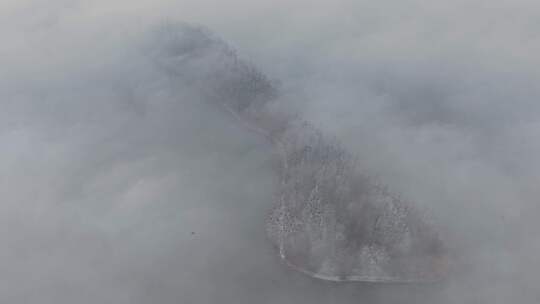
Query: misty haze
x=269, y=152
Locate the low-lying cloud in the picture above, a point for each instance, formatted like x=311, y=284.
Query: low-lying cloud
x=122, y=184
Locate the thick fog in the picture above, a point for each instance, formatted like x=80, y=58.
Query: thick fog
x=122, y=182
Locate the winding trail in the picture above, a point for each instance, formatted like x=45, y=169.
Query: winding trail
x=280, y=147
x=329, y=222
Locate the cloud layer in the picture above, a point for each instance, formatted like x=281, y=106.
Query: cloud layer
x=120, y=184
